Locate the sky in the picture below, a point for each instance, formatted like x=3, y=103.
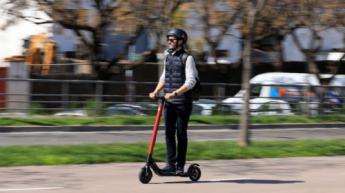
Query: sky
x=11, y=39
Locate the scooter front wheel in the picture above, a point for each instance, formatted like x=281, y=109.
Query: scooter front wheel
x=145, y=175
x=194, y=172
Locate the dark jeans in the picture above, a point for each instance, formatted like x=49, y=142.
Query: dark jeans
x=176, y=119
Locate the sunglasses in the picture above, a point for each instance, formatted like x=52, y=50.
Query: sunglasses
x=171, y=39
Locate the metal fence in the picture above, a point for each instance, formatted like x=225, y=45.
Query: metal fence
x=95, y=97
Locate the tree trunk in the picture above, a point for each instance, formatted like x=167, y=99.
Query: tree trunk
x=279, y=59
x=212, y=53
x=245, y=114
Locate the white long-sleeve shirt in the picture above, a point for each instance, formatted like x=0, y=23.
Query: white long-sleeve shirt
x=190, y=70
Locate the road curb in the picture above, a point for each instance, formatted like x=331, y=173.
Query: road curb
x=10, y=129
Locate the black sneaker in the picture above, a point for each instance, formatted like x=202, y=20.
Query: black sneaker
x=169, y=169
x=179, y=170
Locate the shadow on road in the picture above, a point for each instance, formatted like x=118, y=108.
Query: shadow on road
x=240, y=181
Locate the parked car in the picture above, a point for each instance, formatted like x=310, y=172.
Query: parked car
x=233, y=105
x=77, y=113
x=262, y=106
x=149, y=108
x=333, y=97
x=258, y=106
x=124, y=109
x=288, y=87
x=14, y=114
x=204, y=106
x=226, y=109
x=133, y=106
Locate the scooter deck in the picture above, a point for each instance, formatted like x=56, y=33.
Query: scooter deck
x=184, y=174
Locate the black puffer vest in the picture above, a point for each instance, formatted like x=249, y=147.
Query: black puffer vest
x=175, y=77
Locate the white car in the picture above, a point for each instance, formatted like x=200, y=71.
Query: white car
x=263, y=106
x=76, y=113
x=204, y=106
x=235, y=102
x=260, y=106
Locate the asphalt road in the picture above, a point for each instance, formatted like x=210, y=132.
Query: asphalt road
x=287, y=175
x=126, y=136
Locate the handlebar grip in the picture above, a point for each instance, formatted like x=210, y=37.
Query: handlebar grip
x=160, y=98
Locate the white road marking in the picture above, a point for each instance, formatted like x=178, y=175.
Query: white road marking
x=29, y=189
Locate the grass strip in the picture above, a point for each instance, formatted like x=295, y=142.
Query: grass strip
x=148, y=120
x=106, y=153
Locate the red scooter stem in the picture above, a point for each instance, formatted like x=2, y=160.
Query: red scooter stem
x=156, y=125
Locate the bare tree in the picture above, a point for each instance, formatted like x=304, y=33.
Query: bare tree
x=252, y=9
x=68, y=15
x=157, y=16
x=130, y=17
x=217, y=16
x=270, y=30
x=314, y=16
x=286, y=17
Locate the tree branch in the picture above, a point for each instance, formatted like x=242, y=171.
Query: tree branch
x=25, y=18
x=228, y=24
x=130, y=42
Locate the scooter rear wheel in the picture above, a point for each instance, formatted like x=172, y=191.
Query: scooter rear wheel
x=145, y=175
x=194, y=172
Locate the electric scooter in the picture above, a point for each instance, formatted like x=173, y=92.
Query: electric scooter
x=145, y=175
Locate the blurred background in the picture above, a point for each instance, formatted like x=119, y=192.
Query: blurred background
x=103, y=57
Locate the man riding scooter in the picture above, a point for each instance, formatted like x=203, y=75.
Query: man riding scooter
x=177, y=80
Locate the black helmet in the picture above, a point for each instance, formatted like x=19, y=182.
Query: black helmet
x=179, y=34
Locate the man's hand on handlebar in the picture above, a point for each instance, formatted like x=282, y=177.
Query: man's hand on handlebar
x=169, y=96
x=154, y=95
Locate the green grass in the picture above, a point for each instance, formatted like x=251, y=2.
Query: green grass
x=148, y=120
x=56, y=121
x=106, y=153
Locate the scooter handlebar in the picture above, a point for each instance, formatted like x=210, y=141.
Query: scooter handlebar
x=160, y=98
